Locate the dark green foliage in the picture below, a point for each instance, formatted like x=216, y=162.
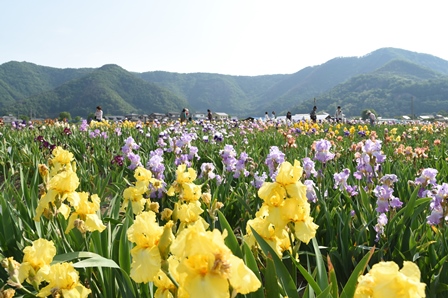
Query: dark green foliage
x=116, y=90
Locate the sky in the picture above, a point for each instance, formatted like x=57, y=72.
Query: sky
x=233, y=37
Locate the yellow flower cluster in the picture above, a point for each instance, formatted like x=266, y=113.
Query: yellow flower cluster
x=386, y=280
x=145, y=232
x=57, y=280
x=284, y=202
x=138, y=193
x=96, y=124
x=197, y=261
x=59, y=195
x=206, y=265
x=188, y=208
x=308, y=126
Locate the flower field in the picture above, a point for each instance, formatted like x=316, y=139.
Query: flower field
x=223, y=209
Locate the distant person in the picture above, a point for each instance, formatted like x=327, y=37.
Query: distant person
x=288, y=116
x=273, y=115
x=209, y=115
x=338, y=114
x=372, y=118
x=313, y=114
x=183, y=115
x=266, y=116
x=188, y=115
x=99, y=114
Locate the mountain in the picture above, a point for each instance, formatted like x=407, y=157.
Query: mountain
x=118, y=92
x=388, y=80
x=236, y=95
x=295, y=92
x=19, y=80
x=397, y=88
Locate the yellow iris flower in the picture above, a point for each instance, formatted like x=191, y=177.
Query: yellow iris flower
x=305, y=230
x=276, y=238
x=208, y=266
x=284, y=202
x=165, y=287
x=135, y=196
x=144, y=178
x=386, y=280
x=60, y=187
x=61, y=160
x=36, y=256
x=183, y=176
x=136, y=193
x=65, y=182
x=86, y=211
x=188, y=213
x=146, y=258
x=286, y=183
x=190, y=192
x=63, y=281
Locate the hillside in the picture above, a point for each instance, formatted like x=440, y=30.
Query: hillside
x=237, y=95
x=385, y=80
x=390, y=93
x=19, y=80
x=116, y=90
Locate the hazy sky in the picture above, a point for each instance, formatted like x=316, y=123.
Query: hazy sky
x=236, y=37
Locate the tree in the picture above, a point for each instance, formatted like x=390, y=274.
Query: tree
x=64, y=116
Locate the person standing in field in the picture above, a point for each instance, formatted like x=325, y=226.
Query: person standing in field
x=338, y=114
x=209, y=115
x=183, y=115
x=313, y=114
x=266, y=116
x=372, y=118
x=99, y=114
x=188, y=115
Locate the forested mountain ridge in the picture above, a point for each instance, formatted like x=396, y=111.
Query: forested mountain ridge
x=386, y=80
x=118, y=91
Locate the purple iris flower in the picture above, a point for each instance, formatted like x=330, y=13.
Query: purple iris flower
x=310, y=191
x=207, y=170
x=379, y=227
x=323, y=153
x=259, y=180
x=340, y=179
x=308, y=167
x=135, y=161
x=84, y=125
x=240, y=166
x=428, y=177
x=273, y=160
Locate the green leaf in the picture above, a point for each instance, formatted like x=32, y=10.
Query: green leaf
x=271, y=284
x=230, y=240
x=124, y=251
x=96, y=262
x=282, y=272
x=73, y=256
x=350, y=286
x=325, y=293
x=322, y=279
x=251, y=263
x=333, y=279
x=308, y=277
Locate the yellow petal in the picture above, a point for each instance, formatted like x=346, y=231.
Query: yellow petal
x=242, y=279
x=146, y=264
